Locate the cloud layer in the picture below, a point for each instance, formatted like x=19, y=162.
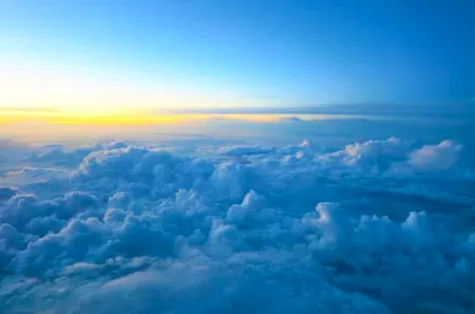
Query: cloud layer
x=376, y=227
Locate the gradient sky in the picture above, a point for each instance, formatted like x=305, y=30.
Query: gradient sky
x=103, y=55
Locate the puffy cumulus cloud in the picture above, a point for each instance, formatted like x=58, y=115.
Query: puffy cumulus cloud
x=371, y=157
x=260, y=230
x=57, y=155
x=435, y=157
x=414, y=254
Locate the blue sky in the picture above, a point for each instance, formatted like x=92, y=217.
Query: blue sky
x=236, y=53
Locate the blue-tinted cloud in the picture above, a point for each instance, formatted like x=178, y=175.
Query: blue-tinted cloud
x=364, y=229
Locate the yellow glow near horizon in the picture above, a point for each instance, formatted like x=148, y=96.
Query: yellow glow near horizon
x=59, y=94
x=69, y=94
x=121, y=118
x=124, y=119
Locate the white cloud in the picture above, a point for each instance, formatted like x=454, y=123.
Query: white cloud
x=435, y=157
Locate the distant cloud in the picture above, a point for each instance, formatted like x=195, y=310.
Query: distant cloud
x=291, y=119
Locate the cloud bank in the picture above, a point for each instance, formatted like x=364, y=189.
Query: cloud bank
x=376, y=227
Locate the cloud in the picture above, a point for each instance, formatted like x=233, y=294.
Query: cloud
x=237, y=151
x=277, y=230
x=292, y=119
x=435, y=157
x=57, y=155
x=6, y=193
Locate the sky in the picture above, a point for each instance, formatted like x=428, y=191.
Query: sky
x=88, y=57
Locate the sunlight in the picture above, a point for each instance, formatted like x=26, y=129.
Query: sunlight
x=119, y=116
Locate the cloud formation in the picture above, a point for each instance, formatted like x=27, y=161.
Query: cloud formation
x=365, y=229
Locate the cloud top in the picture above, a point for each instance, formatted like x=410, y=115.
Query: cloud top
x=250, y=229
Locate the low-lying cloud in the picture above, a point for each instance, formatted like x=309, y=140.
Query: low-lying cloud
x=376, y=227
